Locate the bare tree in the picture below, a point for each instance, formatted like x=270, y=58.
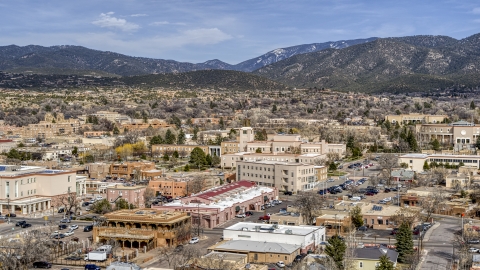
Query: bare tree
x=70, y=202
x=195, y=185
x=148, y=196
x=387, y=162
x=408, y=215
x=309, y=205
x=438, y=175
x=433, y=202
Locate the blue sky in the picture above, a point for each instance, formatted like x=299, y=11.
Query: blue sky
x=232, y=31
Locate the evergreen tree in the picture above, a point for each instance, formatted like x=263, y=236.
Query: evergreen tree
x=186, y=168
x=472, y=105
x=385, y=263
x=215, y=160
x=477, y=143
x=156, y=140
x=208, y=160
x=357, y=217
x=195, y=133
x=435, y=145
x=221, y=123
x=404, y=242
x=412, y=142
x=116, y=131
x=175, y=154
x=169, y=137
x=426, y=167
x=336, y=250
x=198, y=157
x=166, y=157
x=258, y=150
x=181, y=137
x=274, y=108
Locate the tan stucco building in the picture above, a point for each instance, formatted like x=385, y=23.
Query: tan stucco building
x=144, y=227
x=51, y=126
x=415, y=118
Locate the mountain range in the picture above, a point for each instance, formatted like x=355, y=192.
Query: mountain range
x=412, y=63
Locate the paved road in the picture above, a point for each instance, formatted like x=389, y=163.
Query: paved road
x=440, y=245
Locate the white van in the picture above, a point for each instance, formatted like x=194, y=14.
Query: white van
x=355, y=199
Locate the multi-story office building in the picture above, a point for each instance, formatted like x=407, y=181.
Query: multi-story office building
x=286, y=176
x=230, y=160
x=415, y=118
x=28, y=189
x=461, y=135
x=52, y=126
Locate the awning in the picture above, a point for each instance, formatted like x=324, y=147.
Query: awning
x=265, y=198
x=237, y=208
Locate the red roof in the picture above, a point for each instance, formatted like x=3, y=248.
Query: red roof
x=5, y=141
x=230, y=188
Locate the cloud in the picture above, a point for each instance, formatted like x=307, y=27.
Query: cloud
x=167, y=23
x=476, y=10
x=138, y=15
x=106, y=20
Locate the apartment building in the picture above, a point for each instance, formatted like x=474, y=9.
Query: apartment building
x=140, y=125
x=29, y=189
x=51, y=126
x=415, y=118
x=415, y=162
x=169, y=187
x=286, y=176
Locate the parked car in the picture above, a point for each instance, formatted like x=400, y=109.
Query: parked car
x=363, y=228
x=249, y=213
x=62, y=226
x=474, y=241
x=42, y=265
x=73, y=227
x=281, y=264
x=289, y=193
x=69, y=233
x=92, y=267
x=240, y=215
x=26, y=225
x=387, y=190
x=473, y=250
x=394, y=231
x=11, y=215
x=369, y=193
x=264, y=218
x=194, y=240
x=329, y=180
x=88, y=228
x=65, y=220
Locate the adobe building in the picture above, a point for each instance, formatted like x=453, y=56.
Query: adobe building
x=147, y=227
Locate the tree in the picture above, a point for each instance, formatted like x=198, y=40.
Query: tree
x=70, y=202
x=195, y=185
x=208, y=160
x=357, y=217
x=433, y=202
x=75, y=151
x=385, y=263
x=472, y=105
x=198, y=157
x=175, y=154
x=336, y=250
x=123, y=204
x=116, y=131
x=426, y=167
x=181, y=137
x=156, y=140
x=387, y=163
x=261, y=135
x=195, y=133
x=435, y=145
x=102, y=207
x=258, y=150
x=166, y=157
x=170, y=137
x=148, y=196
x=309, y=205
x=215, y=160
x=404, y=242
x=274, y=108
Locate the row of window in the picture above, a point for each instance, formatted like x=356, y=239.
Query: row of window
x=259, y=175
x=439, y=160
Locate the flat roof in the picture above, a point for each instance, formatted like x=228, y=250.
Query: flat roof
x=256, y=246
x=146, y=214
x=271, y=228
x=414, y=156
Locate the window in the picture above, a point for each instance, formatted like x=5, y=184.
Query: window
x=360, y=264
x=69, y=178
x=255, y=256
x=373, y=221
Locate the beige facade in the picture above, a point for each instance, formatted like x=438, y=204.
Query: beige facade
x=230, y=147
x=230, y=160
x=154, y=123
x=183, y=150
x=141, y=228
x=461, y=135
x=285, y=176
x=294, y=219
x=28, y=189
x=131, y=170
x=415, y=118
x=415, y=162
x=321, y=173
x=52, y=126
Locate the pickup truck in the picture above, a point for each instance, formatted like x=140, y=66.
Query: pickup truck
x=96, y=256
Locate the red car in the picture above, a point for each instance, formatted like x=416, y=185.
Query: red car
x=264, y=218
x=369, y=194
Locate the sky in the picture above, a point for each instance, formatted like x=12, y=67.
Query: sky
x=231, y=31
